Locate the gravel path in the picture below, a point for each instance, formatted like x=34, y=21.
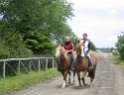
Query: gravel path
x=109, y=80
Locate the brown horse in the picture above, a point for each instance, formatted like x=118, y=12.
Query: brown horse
x=82, y=65
x=64, y=63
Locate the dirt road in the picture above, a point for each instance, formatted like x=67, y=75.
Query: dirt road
x=109, y=80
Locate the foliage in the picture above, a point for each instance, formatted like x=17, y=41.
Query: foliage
x=12, y=44
x=11, y=84
x=39, y=43
x=4, y=51
x=31, y=27
x=120, y=45
x=92, y=46
x=118, y=60
x=38, y=22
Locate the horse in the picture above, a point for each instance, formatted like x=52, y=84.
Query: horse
x=81, y=65
x=64, y=62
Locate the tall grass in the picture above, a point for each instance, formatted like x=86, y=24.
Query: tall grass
x=118, y=60
x=10, y=84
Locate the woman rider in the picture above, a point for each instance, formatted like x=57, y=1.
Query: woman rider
x=86, y=50
x=68, y=45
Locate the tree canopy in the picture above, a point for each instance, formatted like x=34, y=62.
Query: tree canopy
x=36, y=24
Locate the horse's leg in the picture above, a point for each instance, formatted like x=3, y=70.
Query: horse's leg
x=73, y=76
x=94, y=70
x=69, y=79
x=79, y=79
x=91, y=80
x=64, y=78
x=93, y=75
x=83, y=78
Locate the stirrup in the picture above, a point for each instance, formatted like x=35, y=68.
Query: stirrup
x=90, y=68
x=72, y=68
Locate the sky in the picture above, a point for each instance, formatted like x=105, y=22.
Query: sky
x=102, y=20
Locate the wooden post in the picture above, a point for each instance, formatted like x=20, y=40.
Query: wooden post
x=11, y=68
x=46, y=64
x=33, y=65
x=29, y=65
x=24, y=68
x=4, y=69
x=40, y=60
x=19, y=66
x=53, y=62
x=39, y=65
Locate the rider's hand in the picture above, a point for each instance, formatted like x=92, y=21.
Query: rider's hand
x=68, y=51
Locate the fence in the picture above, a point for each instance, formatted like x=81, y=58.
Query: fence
x=35, y=63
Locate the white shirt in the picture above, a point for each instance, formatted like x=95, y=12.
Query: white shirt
x=85, y=48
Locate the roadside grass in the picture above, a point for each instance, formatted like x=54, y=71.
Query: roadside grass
x=117, y=60
x=15, y=83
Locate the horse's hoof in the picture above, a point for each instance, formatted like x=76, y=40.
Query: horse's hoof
x=79, y=85
x=85, y=84
x=73, y=83
x=91, y=83
x=69, y=83
x=63, y=86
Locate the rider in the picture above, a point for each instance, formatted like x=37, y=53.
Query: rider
x=86, y=50
x=68, y=45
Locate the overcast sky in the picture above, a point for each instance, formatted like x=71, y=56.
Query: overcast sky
x=103, y=20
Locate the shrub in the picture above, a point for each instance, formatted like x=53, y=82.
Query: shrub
x=120, y=45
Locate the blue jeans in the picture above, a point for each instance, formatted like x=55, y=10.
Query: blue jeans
x=72, y=59
x=89, y=59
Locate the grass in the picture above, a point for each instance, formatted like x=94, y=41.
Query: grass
x=118, y=60
x=10, y=84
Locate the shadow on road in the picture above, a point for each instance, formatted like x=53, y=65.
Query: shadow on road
x=82, y=87
x=72, y=86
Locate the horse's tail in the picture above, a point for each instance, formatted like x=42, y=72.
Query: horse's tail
x=94, y=59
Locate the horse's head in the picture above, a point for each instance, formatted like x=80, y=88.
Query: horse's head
x=60, y=57
x=60, y=50
x=79, y=48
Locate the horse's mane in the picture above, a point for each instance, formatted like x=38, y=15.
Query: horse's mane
x=61, y=49
x=79, y=45
x=78, y=51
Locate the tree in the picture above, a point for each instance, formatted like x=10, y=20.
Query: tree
x=45, y=19
x=37, y=15
x=39, y=43
x=120, y=45
x=92, y=46
x=11, y=42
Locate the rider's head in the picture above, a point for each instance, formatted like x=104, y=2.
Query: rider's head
x=85, y=35
x=67, y=39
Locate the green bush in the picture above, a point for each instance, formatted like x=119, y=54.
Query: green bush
x=11, y=45
x=11, y=42
x=11, y=84
x=4, y=51
x=120, y=45
x=39, y=43
x=92, y=46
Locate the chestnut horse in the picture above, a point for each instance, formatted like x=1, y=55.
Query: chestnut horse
x=64, y=62
x=81, y=65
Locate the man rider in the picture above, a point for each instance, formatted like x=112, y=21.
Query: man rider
x=86, y=50
x=68, y=45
